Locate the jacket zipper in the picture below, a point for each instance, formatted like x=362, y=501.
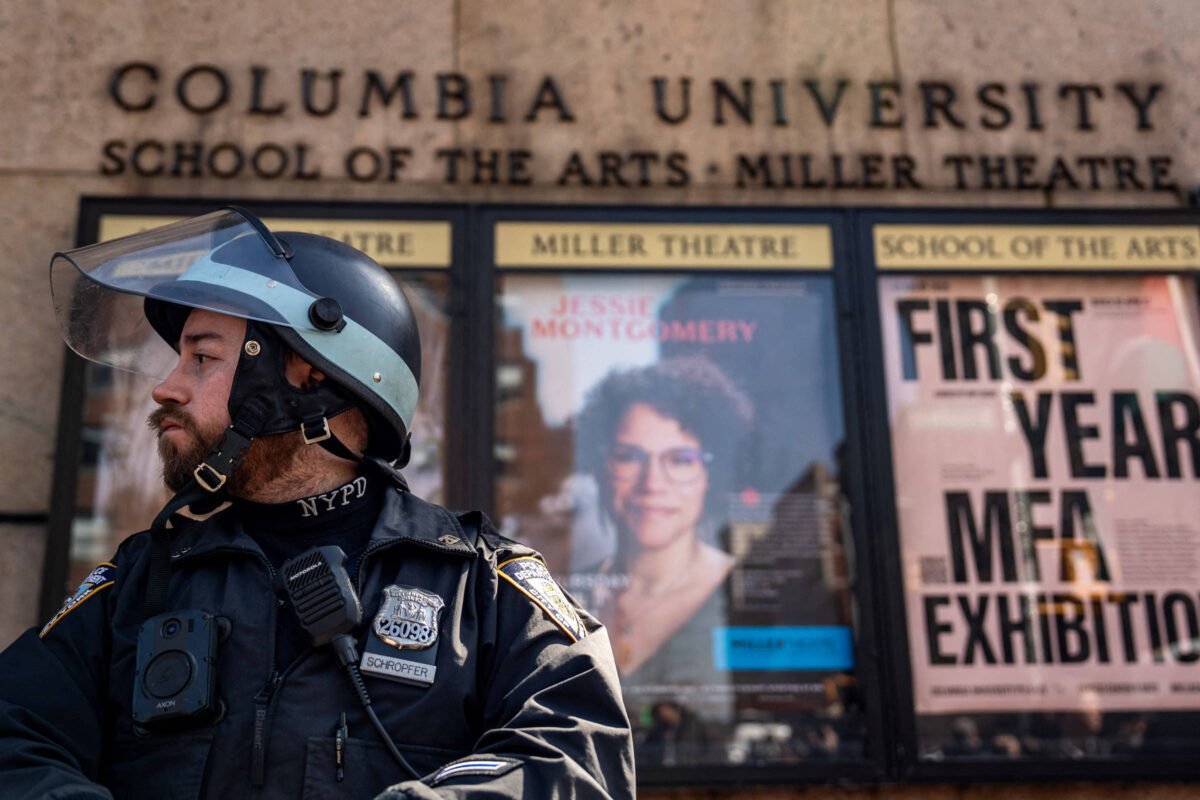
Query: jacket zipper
x=263, y=699
x=262, y=707
x=265, y=696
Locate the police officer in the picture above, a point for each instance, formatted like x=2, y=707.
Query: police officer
x=295, y=623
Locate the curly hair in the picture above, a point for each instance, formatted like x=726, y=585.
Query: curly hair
x=691, y=390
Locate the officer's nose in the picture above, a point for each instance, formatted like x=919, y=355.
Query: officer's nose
x=171, y=390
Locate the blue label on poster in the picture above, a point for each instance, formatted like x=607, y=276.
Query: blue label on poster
x=783, y=647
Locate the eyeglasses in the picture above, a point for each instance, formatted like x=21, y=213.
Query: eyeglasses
x=628, y=462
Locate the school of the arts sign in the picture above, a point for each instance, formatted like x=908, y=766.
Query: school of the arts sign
x=754, y=108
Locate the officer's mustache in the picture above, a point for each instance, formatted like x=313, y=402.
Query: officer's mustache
x=172, y=412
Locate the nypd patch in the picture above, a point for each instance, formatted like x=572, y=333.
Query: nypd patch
x=99, y=578
x=532, y=579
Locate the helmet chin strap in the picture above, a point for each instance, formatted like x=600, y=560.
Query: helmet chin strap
x=262, y=402
x=207, y=489
x=392, y=472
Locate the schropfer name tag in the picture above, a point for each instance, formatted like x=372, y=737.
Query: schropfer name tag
x=403, y=643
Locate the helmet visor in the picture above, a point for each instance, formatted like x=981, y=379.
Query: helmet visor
x=219, y=262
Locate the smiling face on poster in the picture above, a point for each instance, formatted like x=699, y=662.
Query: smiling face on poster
x=662, y=443
x=680, y=470
x=658, y=479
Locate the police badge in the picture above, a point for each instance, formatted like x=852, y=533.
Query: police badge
x=408, y=618
x=407, y=621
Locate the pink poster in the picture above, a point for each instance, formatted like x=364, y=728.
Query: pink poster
x=1046, y=445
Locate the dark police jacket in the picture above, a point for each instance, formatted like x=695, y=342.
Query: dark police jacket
x=524, y=701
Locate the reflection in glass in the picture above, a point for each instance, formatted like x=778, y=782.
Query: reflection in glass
x=673, y=445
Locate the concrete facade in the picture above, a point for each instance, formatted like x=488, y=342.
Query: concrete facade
x=909, y=95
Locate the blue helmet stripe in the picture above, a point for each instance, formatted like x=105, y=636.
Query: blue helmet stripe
x=356, y=350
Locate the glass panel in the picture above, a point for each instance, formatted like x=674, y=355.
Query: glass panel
x=1045, y=444
x=120, y=485
x=674, y=446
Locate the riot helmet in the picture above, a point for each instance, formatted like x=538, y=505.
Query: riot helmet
x=124, y=303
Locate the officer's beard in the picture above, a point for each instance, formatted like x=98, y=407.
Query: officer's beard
x=179, y=461
x=267, y=460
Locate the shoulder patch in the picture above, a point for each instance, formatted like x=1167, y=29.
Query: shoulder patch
x=99, y=578
x=532, y=579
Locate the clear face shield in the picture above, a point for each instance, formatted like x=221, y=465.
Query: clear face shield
x=226, y=262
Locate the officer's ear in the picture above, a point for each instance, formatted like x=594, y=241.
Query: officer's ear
x=300, y=373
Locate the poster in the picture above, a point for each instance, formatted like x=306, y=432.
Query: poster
x=673, y=444
x=1045, y=437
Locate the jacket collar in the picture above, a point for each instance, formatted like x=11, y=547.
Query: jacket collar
x=407, y=517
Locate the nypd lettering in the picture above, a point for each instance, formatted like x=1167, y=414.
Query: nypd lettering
x=531, y=577
x=338, y=498
x=407, y=621
x=99, y=578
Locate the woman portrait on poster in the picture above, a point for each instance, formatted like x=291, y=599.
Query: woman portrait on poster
x=663, y=443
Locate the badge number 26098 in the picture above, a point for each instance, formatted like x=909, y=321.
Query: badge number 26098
x=408, y=618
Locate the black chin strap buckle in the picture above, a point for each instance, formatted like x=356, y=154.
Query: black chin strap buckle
x=315, y=430
x=209, y=477
x=226, y=456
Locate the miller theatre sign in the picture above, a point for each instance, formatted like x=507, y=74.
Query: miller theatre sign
x=755, y=105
